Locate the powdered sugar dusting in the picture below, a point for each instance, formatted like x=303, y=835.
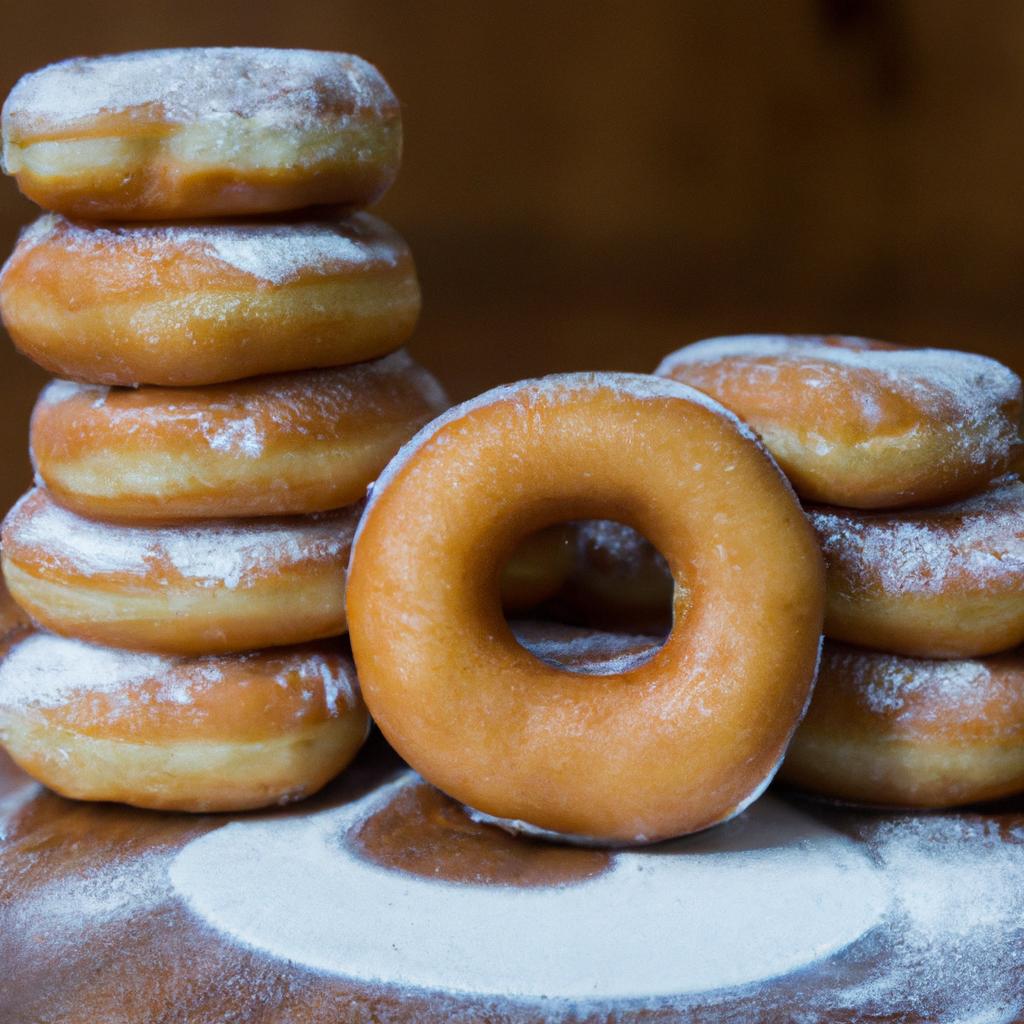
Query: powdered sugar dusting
x=555, y=389
x=907, y=690
x=585, y=651
x=272, y=252
x=978, y=542
x=46, y=671
x=967, y=394
x=282, y=88
x=725, y=909
x=215, y=553
x=244, y=420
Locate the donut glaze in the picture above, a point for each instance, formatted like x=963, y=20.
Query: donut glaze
x=196, y=304
x=222, y=733
x=864, y=424
x=674, y=745
x=174, y=134
x=890, y=731
x=281, y=445
x=943, y=582
x=200, y=588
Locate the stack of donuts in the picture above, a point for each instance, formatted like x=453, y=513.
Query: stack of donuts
x=906, y=462
x=225, y=327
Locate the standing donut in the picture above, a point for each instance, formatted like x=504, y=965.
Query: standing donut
x=679, y=743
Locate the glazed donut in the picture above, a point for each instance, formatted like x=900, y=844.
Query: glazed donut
x=195, y=304
x=222, y=733
x=583, y=650
x=675, y=745
x=889, y=731
x=936, y=583
x=173, y=134
x=282, y=445
x=860, y=423
x=537, y=570
x=200, y=588
x=620, y=580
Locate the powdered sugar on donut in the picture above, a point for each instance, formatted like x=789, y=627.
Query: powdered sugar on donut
x=552, y=390
x=966, y=394
x=217, y=553
x=46, y=671
x=276, y=253
x=978, y=543
x=911, y=690
x=298, y=89
x=585, y=651
x=244, y=421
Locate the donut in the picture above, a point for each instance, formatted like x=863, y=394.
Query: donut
x=537, y=570
x=12, y=618
x=943, y=582
x=216, y=733
x=889, y=731
x=198, y=588
x=195, y=304
x=674, y=745
x=619, y=580
x=864, y=424
x=282, y=445
x=216, y=132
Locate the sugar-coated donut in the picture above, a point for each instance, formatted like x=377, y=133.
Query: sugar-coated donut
x=538, y=568
x=864, y=424
x=619, y=580
x=191, y=304
x=281, y=445
x=165, y=134
x=217, y=733
x=199, y=588
x=12, y=618
x=890, y=731
x=943, y=582
x=674, y=745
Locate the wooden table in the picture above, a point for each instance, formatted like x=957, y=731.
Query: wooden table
x=91, y=929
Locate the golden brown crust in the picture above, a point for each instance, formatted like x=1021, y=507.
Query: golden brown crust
x=215, y=132
x=196, y=304
x=199, y=588
x=943, y=582
x=283, y=445
x=673, y=746
x=211, y=733
x=864, y=424
x=891, y=731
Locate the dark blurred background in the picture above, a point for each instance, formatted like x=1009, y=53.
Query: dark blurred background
x=591, y=184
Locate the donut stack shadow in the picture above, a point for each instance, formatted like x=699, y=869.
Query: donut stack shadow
x=226, y=331
x=906, y=463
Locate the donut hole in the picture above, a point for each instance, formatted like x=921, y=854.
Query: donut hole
x=593, y=597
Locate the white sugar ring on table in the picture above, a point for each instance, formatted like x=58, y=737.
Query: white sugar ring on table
x=769, y=895
x=214, y=733
x=860, y=423
x=943, y=582
x=192, y=304
x=197, y=588
x=674, y=745
x=885, y=730
x=294, y=443
x=165, y=134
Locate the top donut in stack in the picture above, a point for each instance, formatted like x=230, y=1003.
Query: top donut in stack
x=906, y=460
x=226, y=326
